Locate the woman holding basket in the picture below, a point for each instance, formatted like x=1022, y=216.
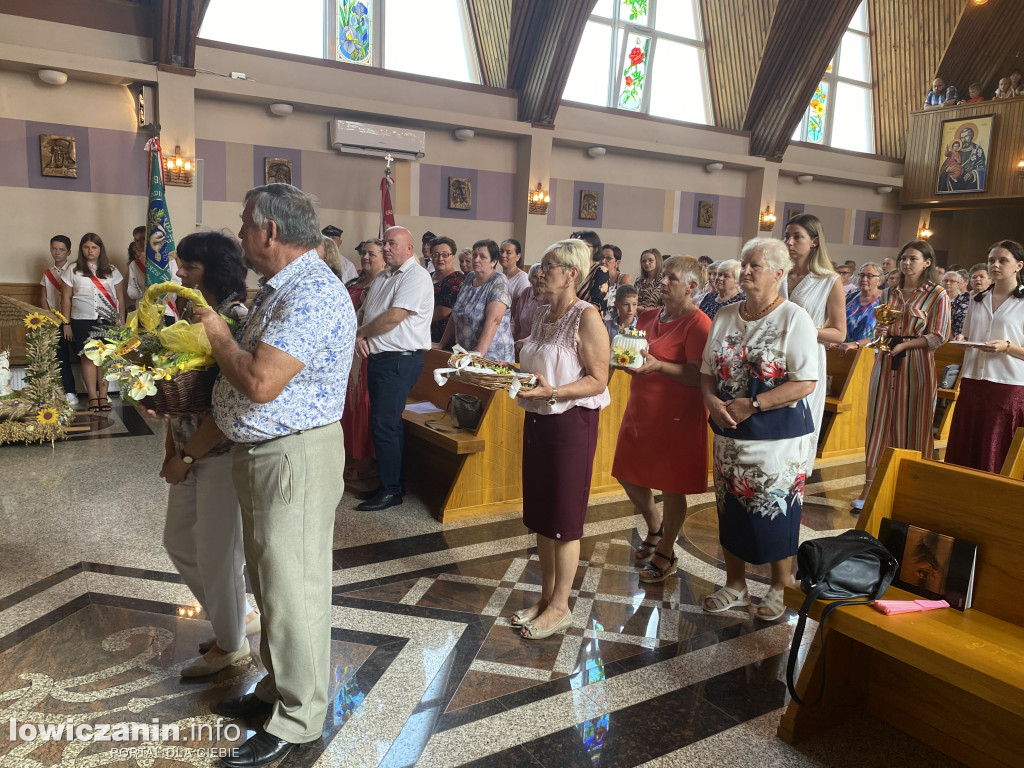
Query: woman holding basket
x=569, y=351
x=203, y=530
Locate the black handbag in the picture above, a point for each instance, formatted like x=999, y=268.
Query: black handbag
x=463, y=412
x=853, y=568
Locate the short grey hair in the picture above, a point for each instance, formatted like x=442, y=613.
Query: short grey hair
x=292, y=210
x=572, y=253
x=774, y=251
x=874, y=265
x=732, y=266
x=686, y=268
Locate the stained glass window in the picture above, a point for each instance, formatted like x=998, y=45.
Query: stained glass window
x=634, y=11
x=626, y=43
x=355, y=19
x=634, y=71
x=816, y=115
x=841, y=113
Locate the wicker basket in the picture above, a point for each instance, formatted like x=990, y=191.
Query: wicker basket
x=489, y=380
x=188, y=392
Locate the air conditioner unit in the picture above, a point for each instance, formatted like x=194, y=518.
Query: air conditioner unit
x=377, y=140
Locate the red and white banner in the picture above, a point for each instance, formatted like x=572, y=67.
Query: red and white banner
x=387, y=210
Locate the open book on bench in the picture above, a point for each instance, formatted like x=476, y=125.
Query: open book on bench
x=932, y=564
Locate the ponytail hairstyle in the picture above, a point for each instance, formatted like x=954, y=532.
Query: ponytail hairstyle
x=1017, y=251
x=818, y=262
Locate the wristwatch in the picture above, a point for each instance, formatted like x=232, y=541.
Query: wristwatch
x=188, y=460
x=757, y=406
x=554, y=394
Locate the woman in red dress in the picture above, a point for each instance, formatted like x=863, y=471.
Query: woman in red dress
x=355, y=422
x=663, y=437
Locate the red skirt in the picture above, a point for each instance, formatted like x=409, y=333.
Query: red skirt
x=355, y=420
x=558, y=463
x=986, y=416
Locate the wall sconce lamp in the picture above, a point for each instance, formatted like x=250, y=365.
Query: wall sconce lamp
x=1020, y=169
x=767, y=219
x=539, y=199
x=281, y=108
x=924, y=233
x=178, y=169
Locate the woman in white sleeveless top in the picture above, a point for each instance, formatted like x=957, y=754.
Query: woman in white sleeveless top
x=813, y=284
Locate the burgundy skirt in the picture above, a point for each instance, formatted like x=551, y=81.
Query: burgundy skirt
x=558, y=462
x=986, y=416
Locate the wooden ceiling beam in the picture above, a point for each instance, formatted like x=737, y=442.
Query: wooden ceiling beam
x=985, y=46
x=734, y=36
x=176, y=29
x=543, y=40
x=490, y=21
x=803, y=37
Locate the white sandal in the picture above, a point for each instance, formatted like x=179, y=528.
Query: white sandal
x=774, y=602
x=726, y=598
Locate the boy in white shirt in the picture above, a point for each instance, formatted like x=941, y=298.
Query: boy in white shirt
x=50, y=299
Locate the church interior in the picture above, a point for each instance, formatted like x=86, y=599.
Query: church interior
x=509, y=119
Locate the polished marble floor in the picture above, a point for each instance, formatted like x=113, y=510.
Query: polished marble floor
x=426, y=669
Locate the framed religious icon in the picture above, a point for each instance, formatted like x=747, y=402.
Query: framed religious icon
x=460, y=193
x=589, y=199
x=874, y=227
x=57, y=156
x=964, y=155
x=278, y=170
x=790, y=214
x=706, y=214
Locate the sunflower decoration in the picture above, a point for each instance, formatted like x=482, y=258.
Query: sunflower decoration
x=36, y=320
x=59, y=316
x=623, y=357
x=48, y=416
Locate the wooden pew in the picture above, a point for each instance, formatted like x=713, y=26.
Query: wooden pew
x=468, y=475
x=1013, y=466
x=947, y=354
x=844, y=425
x=952, y=679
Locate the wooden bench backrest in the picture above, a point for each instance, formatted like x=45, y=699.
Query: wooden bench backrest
x=967, y=504
x=426, y=388
x=949, y=354
x=1013, y=466
x=838, y=367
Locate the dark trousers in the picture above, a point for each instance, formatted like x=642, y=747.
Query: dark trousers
x=67, y=376
x=388, y=380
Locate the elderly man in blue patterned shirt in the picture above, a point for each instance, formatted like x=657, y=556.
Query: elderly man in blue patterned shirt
x=279, y=398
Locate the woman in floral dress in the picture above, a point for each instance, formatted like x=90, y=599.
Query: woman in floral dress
x=759, y=366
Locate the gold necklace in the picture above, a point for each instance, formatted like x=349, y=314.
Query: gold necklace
x=763, y=312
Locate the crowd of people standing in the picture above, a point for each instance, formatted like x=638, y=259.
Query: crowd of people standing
x=321, y=366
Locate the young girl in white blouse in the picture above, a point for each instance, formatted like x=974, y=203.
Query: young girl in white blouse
x=92, y=290
x=990, y=406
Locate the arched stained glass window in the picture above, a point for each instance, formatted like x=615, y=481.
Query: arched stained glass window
x=634, y=54
x=381, y=33
x=841, y=113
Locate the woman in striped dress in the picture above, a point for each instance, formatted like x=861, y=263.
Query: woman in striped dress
x=901, y=400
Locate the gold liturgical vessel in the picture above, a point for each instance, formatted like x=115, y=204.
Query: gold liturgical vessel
x=886, y=315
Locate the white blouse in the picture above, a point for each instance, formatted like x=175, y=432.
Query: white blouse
x=982, y=324
x=85, y=296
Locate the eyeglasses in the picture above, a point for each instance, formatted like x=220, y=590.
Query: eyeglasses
x=547, y=266
x=865, y=274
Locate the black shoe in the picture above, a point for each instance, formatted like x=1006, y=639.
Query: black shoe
x=381, y=501
x=248, y=707
x=261, y=749
x=367, y=495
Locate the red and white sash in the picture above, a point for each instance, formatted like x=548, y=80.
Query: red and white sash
x=103, y=292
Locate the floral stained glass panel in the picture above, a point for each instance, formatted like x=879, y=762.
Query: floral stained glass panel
x=354, y=21
x=816, y=115
x=634, y=73
x=633, y=11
